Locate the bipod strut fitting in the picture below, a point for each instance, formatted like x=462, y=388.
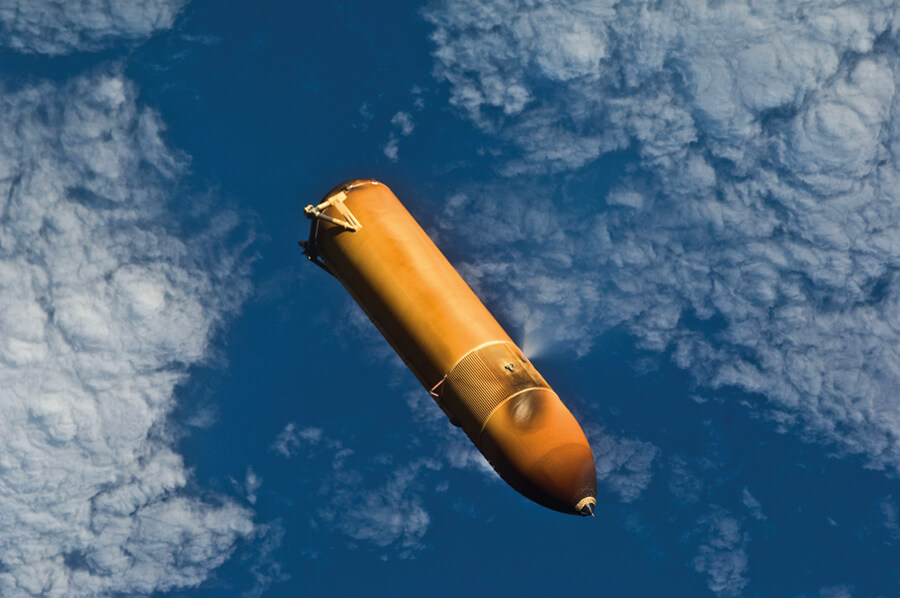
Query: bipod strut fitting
x=316, y=214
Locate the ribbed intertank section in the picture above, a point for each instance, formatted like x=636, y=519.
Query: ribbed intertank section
x=482, y=380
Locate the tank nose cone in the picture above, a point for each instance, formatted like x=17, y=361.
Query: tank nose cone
x=535, y=444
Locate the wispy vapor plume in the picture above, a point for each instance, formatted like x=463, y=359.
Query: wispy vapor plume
x=756, y=236
x=60, y=26
x=105, y=303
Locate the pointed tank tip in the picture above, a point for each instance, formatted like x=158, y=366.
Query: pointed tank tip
x=585, y=506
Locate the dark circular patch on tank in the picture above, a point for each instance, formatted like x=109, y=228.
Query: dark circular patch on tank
x=527, y=408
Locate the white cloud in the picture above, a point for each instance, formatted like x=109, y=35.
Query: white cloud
x=722, y=553
x=60, y=26
x=624, y=465
x=290, y=439
x=265, y=569
x=842, y=591
x=252, y=482
x=403, y=122
x=203, y=417
x=418, y=99
x=889, y=517
x=753, y=505
x=392, y=148
x=105, y=304
x=758, y=239
x=375, y=503
x=403, y=127
x=685, y=485
x=459, y=452
x=389, y=517
x=365, y=111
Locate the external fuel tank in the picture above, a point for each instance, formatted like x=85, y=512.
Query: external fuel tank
x=364, y=237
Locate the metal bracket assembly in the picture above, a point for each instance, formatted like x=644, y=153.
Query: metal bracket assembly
x=349, y=222
x=436, y=389
x=315, y=213
x=435, y=393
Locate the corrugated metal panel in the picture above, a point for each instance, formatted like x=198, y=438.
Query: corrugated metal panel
x=483, y=379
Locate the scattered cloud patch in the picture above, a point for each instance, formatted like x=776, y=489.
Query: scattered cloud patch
x=753, y=505
x=403, y=123
x=365, y=111
x=106, y=301
x=418, y=98
x=755, y=239
x=462, y=454
x=203, y=417
x=624, y=465
x=266, y=571
x=685, y=485
x=889, y=517
x=722, y=553
x=403, y=126
x=388, y=517
x=291, y=439
x=60, y=27
x=252, y=482
x=375, y=503
x=392, y=148
x=842, y=591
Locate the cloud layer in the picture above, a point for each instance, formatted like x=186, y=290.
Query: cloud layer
x=105, y=304
x=754, y=237
x=59, y=26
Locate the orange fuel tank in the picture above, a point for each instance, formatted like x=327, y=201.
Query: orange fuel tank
x=362, y=234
